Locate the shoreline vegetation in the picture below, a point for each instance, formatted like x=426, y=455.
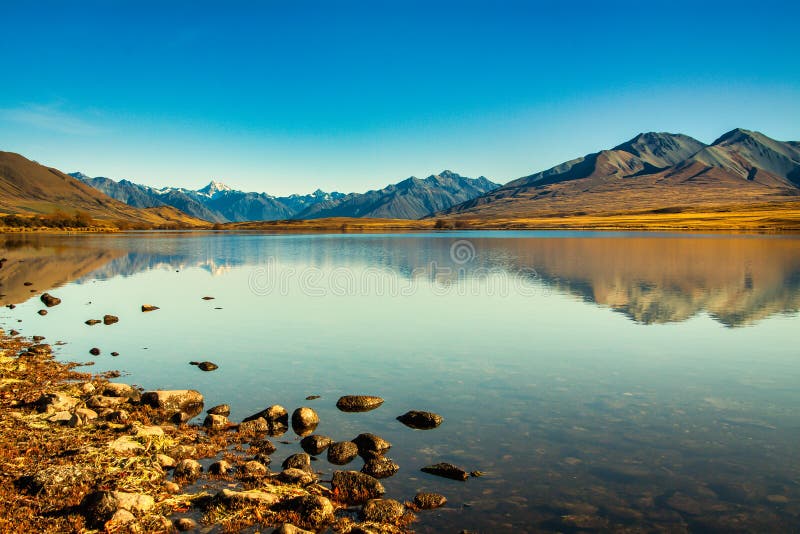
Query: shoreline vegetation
x=762, y=218
x=81, y=453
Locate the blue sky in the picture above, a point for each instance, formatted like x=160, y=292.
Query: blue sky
x=290, y=96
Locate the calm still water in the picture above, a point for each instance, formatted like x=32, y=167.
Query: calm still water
x=599, y=380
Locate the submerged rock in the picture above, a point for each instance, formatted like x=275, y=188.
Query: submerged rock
x=149, y=308
x=315, y=444
x=342, y=452
x=353, y=487
x=110, y=319
x=421, y=420
x=446, y=470
x=358, y=403
x=382, y=510
x=429, y=501
x=380, y=467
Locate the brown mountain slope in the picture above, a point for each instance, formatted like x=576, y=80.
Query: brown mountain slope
x=653, y=172
x=27, y=187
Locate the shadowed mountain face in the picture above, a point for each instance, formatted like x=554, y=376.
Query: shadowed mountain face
x=653, y=171
x=412, y=198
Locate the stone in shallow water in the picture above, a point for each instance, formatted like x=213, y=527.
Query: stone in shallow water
x=296, y=476
x=220, y=409
x=428, y=501
x=207, y=366
x=304, y=417
x=110, y=319
x=216, y=422
x=314, y=510
x=300, y=460
x=315, y=444
x=187, y=400
x=271, y=414
x=446, y=470
x=353, y=487
x=149, y=307
x=382, y=510
x=188, y=469
x=370, y=445
x=92, y=322
x=342, y=452
x=380, y=467
x=229, y=497
x=358, y=403
x=421, y=420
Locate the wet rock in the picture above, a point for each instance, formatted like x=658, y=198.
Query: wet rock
x=115, y=353
x=428, y=501
x=262, y=446
x=27, y=284
x=94, y=351
x=149, y=307
x=382, y=510
x=185, y=523
x=125, y=445
x=188, y=469
x=114, y=389
x=110, y=319
x=420, y=420
x=187, y=400
x=13, y=333
x=254, y=469
x=233, y=498
x=370, y=445
x=100, y=506
x=170, y=487
x=312, y=397
x=288, y=528
x=207, y=366
x=220, y=409
x=180, y=417
x=42, y=312
x=221, y=467
x=353, y=487
x=216, y=422
x=272, y=414
x=254, y=426
x=296, y=476
x=358, y=403
x=315, y=444
x=262, y=459
x=11, y=306
x=380, y=467
x=300, y=460
x=55, y=402
x=92, y=322
x=446, y=470
x=314, y=510
x=49, y=300
x=38, y=339
x=342, y=452
x=208, y=298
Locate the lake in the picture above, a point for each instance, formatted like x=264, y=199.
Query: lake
x=598, y=380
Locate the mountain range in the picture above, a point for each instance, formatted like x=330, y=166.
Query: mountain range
x=653, y=172
x=412, y=198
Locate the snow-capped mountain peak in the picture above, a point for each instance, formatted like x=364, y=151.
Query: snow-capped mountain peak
x=214, y=188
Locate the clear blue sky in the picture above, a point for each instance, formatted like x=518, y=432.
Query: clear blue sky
x=289, y=96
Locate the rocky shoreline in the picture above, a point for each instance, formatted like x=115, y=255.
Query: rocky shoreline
x=82, y=453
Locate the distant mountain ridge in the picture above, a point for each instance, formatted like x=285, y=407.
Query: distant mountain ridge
x=652, y=171
x=412, y=198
